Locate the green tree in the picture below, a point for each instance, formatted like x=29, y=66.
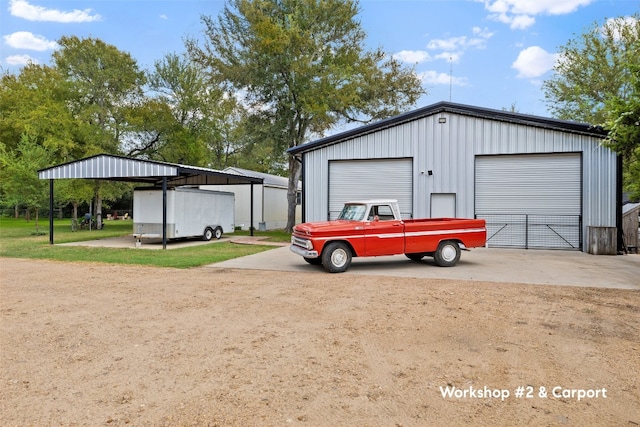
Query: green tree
x=202, y=116
x=104, y=85
x=623, y=123
x=301, y=67
x=596, y=81
x=19, y=177
x=593, y=69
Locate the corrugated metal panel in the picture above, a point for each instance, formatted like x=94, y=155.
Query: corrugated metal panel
x=101, y=167
x=371, y=179
x=546, y=184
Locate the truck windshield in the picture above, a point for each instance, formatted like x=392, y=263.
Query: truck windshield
x=353, y=212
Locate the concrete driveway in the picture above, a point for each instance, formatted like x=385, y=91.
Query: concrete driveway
x=483, y=264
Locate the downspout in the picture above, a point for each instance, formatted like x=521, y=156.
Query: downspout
x=302, y=201
x=619, y=164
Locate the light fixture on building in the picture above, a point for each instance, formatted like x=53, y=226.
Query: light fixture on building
x=442, y=120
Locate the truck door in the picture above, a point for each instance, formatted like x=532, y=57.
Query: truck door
x=384, y=234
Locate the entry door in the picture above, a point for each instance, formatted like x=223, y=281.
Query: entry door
x=383, y=234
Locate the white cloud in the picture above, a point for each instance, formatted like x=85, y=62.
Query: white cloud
x=412, y=56
x=23, y=9
x=534, y=62
x=436, y=78
x=20, y=60
x=163, y=16
x=520, y=14
x=27, y=40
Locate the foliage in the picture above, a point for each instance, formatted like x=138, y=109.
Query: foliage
x=203, y=116
x=301, y=67
x=597, y=81
x=17, y=178
x=593, y=69
x=623, y=123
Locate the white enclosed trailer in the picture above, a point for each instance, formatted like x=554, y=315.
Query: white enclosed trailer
x=191, y=212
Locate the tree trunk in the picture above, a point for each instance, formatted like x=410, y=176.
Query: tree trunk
x=37, y=230
x=295, y=170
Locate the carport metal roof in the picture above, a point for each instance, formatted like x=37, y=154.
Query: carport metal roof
x=158, y=174
x=118, y=168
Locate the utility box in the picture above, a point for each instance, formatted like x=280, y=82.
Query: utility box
x=191, y=212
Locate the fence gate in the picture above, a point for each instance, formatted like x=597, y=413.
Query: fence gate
x=534, y=231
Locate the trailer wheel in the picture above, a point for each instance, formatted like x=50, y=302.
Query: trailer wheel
x=447, y=254
x=336, y=257
x=208, y=234
x=414, y=257
x=218, y=232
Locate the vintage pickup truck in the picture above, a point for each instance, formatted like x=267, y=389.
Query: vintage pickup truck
x=375, y=228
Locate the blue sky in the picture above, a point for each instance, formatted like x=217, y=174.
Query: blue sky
x=486, y=53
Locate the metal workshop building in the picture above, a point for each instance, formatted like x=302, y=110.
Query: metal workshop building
x=539, y=182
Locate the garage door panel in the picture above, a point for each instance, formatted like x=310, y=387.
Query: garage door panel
x=531, y=201
x=371, y=179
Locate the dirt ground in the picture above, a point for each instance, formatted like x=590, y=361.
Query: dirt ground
x=107, y=345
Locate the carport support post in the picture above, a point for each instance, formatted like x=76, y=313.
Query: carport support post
x=164, y=212
x=51, y=211
x=251, y=219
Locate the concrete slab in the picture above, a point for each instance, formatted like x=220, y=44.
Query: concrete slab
x=544, y=267
x=130, y=242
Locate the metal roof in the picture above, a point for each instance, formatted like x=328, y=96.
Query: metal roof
x=449, y=107
x=118, y=168
x=269, y=179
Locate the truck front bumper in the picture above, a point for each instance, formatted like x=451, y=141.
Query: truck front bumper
x=304, y=252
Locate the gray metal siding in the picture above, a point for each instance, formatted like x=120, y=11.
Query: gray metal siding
x=449, y=149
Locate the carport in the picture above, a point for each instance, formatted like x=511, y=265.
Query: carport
x=110, y=167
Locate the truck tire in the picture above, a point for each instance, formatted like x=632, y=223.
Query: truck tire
x=414, y=257
x=447, y=254
x=208, y=234
x=313, y=261
x=218, y=232
x=336, y=257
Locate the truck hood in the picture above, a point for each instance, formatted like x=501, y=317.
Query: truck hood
x=315, y=228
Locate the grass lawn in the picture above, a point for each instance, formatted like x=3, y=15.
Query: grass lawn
x=20, y=239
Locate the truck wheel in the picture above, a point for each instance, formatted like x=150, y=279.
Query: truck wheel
x=218, y=232
x=447, y=254
x=208, y=234
x=336, y=257
x=414, y=257
x=313, y=261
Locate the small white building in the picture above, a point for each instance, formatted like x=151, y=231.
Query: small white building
x=539, y=182
x=269, y=200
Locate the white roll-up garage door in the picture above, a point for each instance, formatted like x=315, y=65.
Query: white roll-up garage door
x=530, y=200
x=371, y=179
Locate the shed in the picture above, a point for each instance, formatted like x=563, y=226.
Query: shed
x=631, y=226
x=155, y=174
x=539, y=182
x=270, y=205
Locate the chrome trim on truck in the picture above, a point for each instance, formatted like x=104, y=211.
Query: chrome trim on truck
x=301, y=251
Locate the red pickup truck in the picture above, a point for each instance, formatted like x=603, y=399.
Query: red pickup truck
x=375, y=228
